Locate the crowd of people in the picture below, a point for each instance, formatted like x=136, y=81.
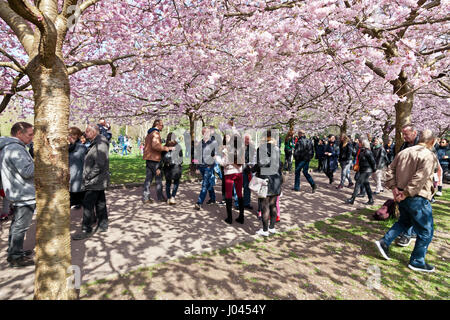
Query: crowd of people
x=243, y=169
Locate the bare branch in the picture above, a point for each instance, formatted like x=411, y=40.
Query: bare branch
x=19, y=26
x=78, y=66
x=17, y=64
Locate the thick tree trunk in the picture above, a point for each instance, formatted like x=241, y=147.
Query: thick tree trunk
x=402, y=109
x=53, y=251
x=291, y=124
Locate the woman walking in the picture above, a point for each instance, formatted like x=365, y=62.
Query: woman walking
x=268, y=158
x=365, y=165
x=381, y=160
x=288, y=150
x=345, y=160
x=172, y=166
x=77, y=152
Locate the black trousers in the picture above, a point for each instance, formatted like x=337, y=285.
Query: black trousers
x=269, y=212
x=362, y=181
x=94, y=208
x=76, y=198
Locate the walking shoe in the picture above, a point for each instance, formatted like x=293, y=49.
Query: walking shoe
x=272, y=231
x=383, y=248
x=314, y=187
x=82, y=235
x=211, y=201
x=439, y=194
x=426, y=268
x=403, y=241
x=340, y=186
x=4, y=217
x=350, y=201
x=221, y=203
x=370, y=202
x=148, y=201
x=262, y=233
x=172, y=201
x=240, y=219
x=350, y=185
x=23, y=261
x=198, y=206
x=297, y=190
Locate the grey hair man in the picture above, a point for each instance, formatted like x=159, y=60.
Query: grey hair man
x=410, y=177
x=17, y=174
x=96, y=178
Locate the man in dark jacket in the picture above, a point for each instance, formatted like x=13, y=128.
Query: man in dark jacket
x=303, y=153
x=332, y=155
x=105, y=129
x=96, y=178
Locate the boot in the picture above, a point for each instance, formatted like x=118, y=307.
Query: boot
x=350, y=201
x=229, y=204
x=240, y=219
x=370, y=202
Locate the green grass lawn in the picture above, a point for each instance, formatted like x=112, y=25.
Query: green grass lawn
x=131, y=168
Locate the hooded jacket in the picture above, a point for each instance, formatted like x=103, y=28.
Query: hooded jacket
x=96, y=174
x=17, y=172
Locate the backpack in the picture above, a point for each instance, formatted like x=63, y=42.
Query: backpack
x=386, y=211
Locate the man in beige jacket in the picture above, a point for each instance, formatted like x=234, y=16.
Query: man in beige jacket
x=152, y=154
x=410, y=177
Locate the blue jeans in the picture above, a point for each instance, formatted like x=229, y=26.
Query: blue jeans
x=414, y=212
x=176, y=183
x=208, y=183
x=20, y=224
x=302, y=166
x=345, y=173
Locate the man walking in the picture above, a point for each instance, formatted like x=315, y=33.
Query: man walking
x=96, y=177
x=411, y=138
x=410, y=177
x=303, y=153
x=152, y=155
x=17, y=175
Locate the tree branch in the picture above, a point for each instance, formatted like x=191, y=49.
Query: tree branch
x=19, y=26
x=47, y=45
x=18, y=66
x=78, y=66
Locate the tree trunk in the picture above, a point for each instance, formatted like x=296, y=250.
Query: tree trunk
x=402, y=109
x=291, y=124
x=343, y=128
x=53, y=251
x=192, y=166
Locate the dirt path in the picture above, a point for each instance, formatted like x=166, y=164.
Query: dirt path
x=145, y=236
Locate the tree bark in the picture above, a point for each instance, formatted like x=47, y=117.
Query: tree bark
x=53, y=250
x=402, y=108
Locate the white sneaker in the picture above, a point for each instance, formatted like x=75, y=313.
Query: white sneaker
x=262, y=233
x=273, y=231
x=173, y=201
x=439, y=194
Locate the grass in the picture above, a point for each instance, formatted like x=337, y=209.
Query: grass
x=131, y=168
